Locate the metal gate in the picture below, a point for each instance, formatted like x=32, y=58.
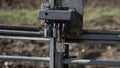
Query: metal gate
x=57, y=15
x=88, y=37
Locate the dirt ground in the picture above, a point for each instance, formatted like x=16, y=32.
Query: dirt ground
x=23, y=48
x=40, y=49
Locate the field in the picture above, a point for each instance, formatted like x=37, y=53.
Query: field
x=102, y=18
x=96, y=16
x=18, y=17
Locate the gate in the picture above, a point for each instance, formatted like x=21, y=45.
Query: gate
x=56, y=15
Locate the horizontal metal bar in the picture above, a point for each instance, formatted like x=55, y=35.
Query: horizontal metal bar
x=99, y=42
x=91, y=41
x=17, y=31
x=25, y=38
x=100, y=37
x=92, y=62
x=66, y=61
x=16, y=27
x=21, y=33
x=101, y=31
x=25, y=58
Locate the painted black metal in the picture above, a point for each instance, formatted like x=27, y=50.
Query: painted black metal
x=21, y=28
x=21, y=33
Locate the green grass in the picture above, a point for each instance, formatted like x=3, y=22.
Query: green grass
x=29, y=17
x=98, y=12
x=102, y=18
x=18, y=17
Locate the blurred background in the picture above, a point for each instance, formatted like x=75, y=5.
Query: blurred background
x=98, y=14
x=103, y=14
x=19, y=12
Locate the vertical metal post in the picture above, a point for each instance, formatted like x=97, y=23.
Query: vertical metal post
x=59, y=54
x=66, y=55
x=56, y=48
x=52, y=3
x=52, y=53
x=59, y=48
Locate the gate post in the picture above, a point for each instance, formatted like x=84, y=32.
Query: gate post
x=66, y=55
x=52, y=53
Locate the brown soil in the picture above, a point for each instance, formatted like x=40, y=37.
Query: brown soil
x=35, y=4
x=40, y=49
x=23, y=48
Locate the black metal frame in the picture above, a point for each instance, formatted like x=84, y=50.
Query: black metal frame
x=61, y=59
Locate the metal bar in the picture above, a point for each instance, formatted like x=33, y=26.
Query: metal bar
x=16, y=27
x=66, y=55
x=99, y=42
x=57, y=3
x=52, y=3
x=105, y=37
x=25, y=38
x=59, y=53
x=92, y=62
x=101, y=31
x=52, y=52
x=100, y=37
x=91, y=41
x=25, y=58
x=17, y=31
x=68, y=61
x=59, y=59
x=21, y=33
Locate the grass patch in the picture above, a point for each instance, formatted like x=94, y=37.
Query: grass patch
x=18, y=17
x=29, y=17
x=98, y=12
x=102, y=18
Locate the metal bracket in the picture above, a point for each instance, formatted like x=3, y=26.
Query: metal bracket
x=56, y=14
